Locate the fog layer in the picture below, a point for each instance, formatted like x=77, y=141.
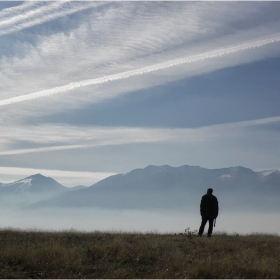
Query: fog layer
x=162, y=221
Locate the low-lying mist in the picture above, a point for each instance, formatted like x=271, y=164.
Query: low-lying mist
x=157, y=198
x=161, y=221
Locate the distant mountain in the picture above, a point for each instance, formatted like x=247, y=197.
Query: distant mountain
x=173, y=187
x=29, y=190
x=270, y=177
x=79, y=187
x=34, y=184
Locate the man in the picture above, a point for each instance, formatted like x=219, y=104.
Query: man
x=209, y=210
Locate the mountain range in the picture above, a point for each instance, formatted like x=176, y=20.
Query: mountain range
x=156, y=187
x=151, y=187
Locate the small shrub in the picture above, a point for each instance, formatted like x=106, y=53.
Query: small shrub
x=190, y=233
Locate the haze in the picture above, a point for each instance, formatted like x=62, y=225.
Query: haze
x=90, y=89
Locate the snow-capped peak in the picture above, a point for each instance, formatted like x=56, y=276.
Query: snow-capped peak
x=26, y=183
x=268, y=172
x=225, y=177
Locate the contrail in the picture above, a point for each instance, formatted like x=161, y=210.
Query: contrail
x=142, y=71
x=41, y=15
x=154, y=137
x=8, y=12
x=37, y=12
x=98, y=137
x=40, y=150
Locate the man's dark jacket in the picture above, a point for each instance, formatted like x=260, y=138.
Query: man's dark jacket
x=209, y=206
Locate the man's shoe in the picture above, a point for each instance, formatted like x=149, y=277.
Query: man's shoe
x=209, y=235
x=199, y=235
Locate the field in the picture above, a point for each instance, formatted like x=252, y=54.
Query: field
x=73, y=254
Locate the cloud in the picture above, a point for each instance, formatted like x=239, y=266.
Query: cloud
x=113, y=49
x=100, y=45
x=143, y=71
x=46, y=138
x=32, y=14
x=13, y=11
x=66, y=137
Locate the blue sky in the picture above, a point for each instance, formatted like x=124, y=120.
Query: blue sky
x=89, y=89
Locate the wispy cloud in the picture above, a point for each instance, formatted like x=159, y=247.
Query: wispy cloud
x=34, y=13
x=145, y=70
x=14, y=11
x=124, y=40
x=116, y=48
x=48, y=138
x=67, y=137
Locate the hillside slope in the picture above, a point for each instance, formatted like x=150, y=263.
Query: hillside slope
x=173, y=187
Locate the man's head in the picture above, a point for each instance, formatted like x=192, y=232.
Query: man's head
x=209, y=191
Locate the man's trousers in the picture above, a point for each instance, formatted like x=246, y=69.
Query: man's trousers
x=203, y=223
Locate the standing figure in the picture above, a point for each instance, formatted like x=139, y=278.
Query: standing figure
x=209, y=210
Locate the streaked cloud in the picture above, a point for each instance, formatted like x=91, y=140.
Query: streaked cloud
x=89, y=54
x=143, y=71
x=56, y=56
x=58, y=137
x=34, y=13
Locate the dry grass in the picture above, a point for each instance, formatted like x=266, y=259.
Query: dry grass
x=35, y=254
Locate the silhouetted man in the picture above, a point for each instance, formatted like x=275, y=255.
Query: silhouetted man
x=209, y=210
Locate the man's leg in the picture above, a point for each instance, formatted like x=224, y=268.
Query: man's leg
x=203, y=223
x=210, y=229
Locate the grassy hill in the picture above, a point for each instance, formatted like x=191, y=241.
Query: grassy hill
x=72, y=254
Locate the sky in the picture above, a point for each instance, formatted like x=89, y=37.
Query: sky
x=90, y=89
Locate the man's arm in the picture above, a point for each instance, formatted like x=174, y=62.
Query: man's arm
x=201, y=206
x=217, y=208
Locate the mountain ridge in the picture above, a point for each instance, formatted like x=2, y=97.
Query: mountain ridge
x=228, y=174
x=167, y=186
x=34, y=183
